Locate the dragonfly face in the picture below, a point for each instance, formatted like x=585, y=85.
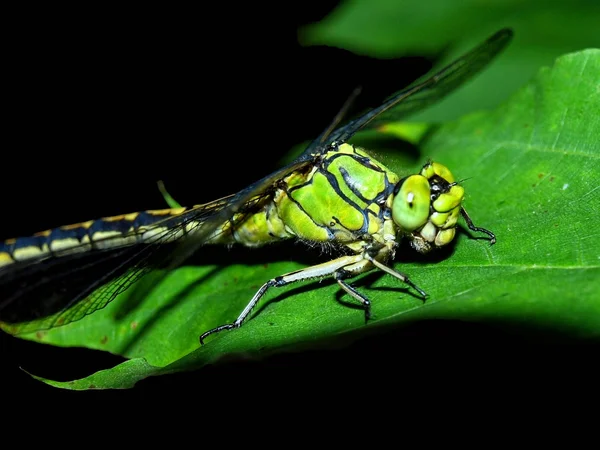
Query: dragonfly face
x=426, y=207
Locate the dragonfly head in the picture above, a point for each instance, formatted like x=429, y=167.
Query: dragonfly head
x=426, y=207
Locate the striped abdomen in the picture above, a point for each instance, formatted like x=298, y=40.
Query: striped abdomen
x=49, y=272
x=100, y=234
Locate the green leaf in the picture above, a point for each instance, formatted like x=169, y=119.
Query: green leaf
x=390, y=29
x=531, y=170
x=123, y=376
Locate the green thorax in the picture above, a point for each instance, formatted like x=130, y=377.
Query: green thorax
x=341, y=198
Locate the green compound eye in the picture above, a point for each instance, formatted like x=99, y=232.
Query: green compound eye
x=436, y=168
x=410, y=209
x=450, y=200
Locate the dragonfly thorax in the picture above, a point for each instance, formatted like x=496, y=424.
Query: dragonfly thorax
x=426, y=207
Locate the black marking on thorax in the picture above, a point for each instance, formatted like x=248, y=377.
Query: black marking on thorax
x=333, y=182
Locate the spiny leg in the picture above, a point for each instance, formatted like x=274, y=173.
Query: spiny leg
x=402, y=277
x=339, y=277
x=344, y=273
x=318, y=271
x=472, y=227
x=247, y=310
x=340, y=268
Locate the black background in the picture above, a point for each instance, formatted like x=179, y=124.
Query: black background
x=102, y=103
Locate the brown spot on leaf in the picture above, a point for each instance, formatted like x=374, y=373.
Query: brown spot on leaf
x=60, y=321
x=134, y=325
x=104, y=340
x=551, y=179
x=540, y=175
x=40, y=334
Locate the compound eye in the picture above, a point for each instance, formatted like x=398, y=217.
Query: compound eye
x=438, y=169
x=410, y=209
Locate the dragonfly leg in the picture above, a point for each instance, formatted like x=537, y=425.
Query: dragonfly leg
x=402, y=277
x=318, y=271
x=339, y=277
x=472, y=227
x=340, y=268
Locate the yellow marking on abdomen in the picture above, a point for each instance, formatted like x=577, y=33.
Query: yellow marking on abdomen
x=100, y=235
x=63, y=244
x=5, y=259
x=166, y=212
x=24, y=253
x=74, y=226
x=129, y=217
x=154, y=232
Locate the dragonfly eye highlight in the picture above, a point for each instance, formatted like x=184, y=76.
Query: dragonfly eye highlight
x=410, y=208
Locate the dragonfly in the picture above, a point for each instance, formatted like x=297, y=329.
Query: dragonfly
x=334, y=194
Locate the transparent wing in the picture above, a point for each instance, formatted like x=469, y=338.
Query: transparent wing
x=55, y=291
x=420, y=95
x=236, y=204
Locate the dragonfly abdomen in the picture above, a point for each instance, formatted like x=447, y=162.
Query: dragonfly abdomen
x=101, y=234
x=253, y=229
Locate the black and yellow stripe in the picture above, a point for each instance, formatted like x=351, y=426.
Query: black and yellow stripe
x=100, y=234
x=60, y=275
